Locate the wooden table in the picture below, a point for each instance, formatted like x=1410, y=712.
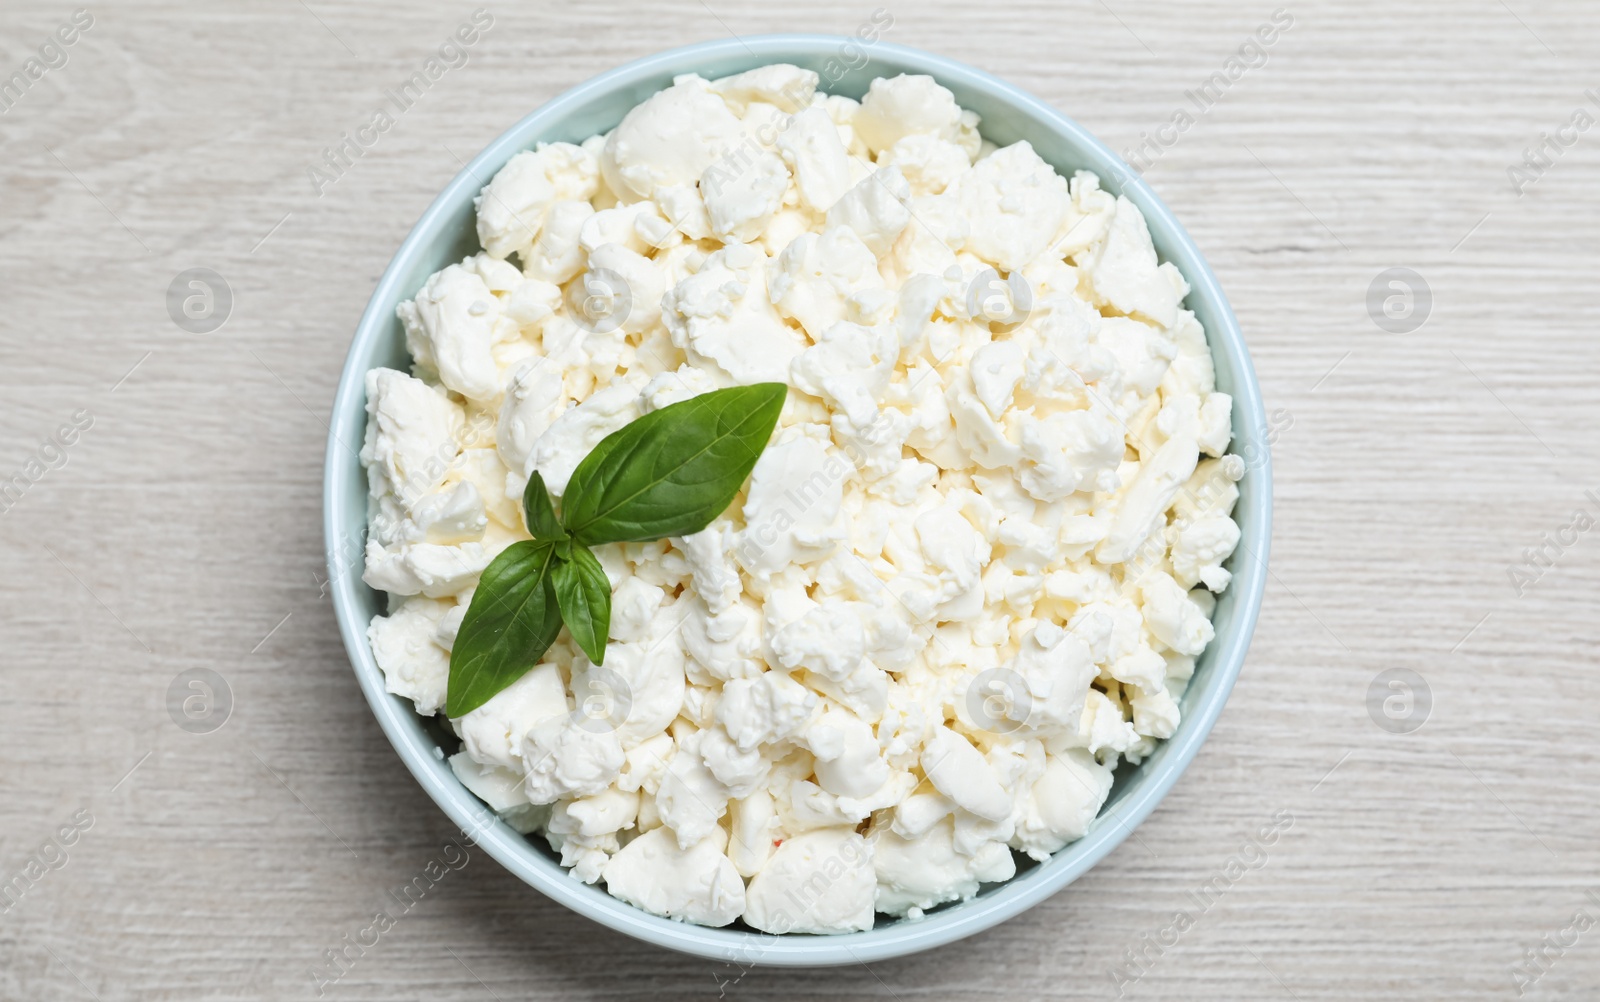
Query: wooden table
x=1417, y=468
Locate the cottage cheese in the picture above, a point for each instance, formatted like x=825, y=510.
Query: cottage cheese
x=968, y=577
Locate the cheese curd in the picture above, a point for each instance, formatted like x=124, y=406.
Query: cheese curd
x=968, y=577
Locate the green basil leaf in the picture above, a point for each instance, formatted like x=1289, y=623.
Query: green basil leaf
x=539, y=512
x=584, y=593
x=674, y=470
x=512, y=621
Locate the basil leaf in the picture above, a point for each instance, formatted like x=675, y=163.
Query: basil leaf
x=539, y=512
x=584, y=594
x=674, y=470
x=512, y=621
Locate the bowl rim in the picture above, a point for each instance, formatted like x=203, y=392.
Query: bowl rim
x=747, y=949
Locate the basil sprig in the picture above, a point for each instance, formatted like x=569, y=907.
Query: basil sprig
x=667, y=474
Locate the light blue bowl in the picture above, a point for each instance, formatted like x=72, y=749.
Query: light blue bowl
x=446, y=233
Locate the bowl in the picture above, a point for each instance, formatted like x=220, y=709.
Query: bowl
x=446, y=233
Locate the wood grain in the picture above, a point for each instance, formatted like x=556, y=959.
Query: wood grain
x=183, y=533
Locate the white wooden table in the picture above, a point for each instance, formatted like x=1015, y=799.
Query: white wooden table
x=1414, y=469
